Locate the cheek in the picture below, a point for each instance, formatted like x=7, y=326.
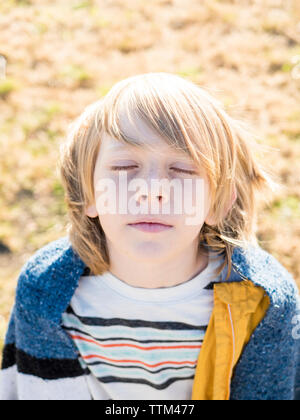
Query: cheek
x=106, y=195
x=196, y=204
x=111, y=225
x=196, y=193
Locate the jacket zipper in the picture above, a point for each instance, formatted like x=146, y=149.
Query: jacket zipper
x=233, y=349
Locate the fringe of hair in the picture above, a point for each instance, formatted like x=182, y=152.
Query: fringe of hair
x=189, y=119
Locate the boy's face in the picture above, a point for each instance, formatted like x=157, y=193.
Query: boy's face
x=182, y=199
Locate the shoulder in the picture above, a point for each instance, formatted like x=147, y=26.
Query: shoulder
x=266, y=271
x=48, y=280
x=273, y=350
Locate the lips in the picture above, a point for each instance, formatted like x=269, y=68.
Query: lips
x=151, y=221
x=151, y=227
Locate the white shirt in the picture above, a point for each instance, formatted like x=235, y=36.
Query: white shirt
x=138, y=343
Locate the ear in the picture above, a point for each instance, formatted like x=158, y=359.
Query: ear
x=212, y=221
x=91, y=211
x=232, y=201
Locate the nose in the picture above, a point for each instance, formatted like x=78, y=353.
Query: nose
x=152, y=199
x=155, y=192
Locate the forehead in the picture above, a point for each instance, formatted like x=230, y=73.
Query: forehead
x=144, y=139
x=115, y=146
x=111, y=147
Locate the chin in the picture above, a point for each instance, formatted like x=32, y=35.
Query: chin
x=150, y=251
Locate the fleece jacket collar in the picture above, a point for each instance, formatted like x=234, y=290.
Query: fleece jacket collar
x=51, y=276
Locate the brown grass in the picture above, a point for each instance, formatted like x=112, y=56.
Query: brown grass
x=64, y=55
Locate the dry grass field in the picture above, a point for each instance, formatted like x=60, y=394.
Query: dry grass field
x=63, y=55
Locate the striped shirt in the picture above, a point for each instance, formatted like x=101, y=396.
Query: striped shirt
x=137, y=343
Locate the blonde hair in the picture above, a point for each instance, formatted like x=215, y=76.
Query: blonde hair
x=189, y=119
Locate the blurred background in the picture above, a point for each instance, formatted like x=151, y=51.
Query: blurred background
x=58, y=56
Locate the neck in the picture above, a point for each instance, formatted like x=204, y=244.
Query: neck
x=151, y=275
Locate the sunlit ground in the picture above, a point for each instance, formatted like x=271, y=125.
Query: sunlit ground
x=64, y=55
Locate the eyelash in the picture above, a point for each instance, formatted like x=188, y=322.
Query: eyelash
x=116, y=168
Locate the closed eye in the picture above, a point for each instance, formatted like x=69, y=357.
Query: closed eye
x=121, y=168
x=124, y=168
x=185, y=171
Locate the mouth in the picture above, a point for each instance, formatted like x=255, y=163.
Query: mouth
x=151, y=227
x=151, y=221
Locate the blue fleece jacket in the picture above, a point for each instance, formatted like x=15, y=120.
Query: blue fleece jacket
x=40, y=361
